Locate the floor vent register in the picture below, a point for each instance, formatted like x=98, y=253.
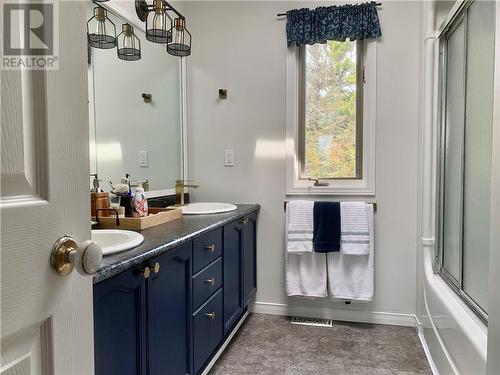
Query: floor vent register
x=312, y=322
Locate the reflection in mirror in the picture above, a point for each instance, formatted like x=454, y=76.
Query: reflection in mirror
x=135, y=114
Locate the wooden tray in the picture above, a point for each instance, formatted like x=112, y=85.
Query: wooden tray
x=156, y=216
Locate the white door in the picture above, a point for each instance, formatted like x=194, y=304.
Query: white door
x=46, y=319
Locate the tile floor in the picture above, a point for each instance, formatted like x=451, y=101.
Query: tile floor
x=268, y=344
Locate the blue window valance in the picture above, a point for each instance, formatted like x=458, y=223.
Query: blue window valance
x=311, y=26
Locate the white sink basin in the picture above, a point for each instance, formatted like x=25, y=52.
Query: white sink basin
x=203, y=208
x=116, y=240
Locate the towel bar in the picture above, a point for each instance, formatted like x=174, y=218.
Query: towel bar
x=373, y=203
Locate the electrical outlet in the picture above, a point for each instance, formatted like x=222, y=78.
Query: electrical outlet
x=143, y=158
x=228, y=158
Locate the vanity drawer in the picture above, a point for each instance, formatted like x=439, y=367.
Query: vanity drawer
x=206, y=283
x=206, y=249
x=207, y=330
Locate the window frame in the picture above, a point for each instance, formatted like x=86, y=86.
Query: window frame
x=365, y=185
x=439, y=267
x=360, y=83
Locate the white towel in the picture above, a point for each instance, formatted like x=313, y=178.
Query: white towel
x=354, y=236
x=305, y=273
x=300, y=227
x=351, y=277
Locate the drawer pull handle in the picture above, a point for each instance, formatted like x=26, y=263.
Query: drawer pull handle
x=244, y=221
x=210, y=248
x=211, y=281
x=146, y=272
x=210, y=316
x=156, y=267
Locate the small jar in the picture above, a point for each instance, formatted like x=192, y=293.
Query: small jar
x=140, y=203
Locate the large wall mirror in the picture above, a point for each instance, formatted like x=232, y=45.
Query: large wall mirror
x=135, y=114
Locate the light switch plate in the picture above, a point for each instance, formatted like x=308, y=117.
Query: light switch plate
x=228, y=158
x=143, y=158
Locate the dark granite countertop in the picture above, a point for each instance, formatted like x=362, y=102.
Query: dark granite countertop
x=162, y=238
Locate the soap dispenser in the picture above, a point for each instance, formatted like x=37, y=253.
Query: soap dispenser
x=139, y=202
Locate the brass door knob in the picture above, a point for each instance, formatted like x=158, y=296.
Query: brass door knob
x=210, y=248
x=211, y=281
x=67, y=254
x=210, y=316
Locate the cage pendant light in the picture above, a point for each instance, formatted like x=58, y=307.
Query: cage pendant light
x=181, y=39
x=101, y=32
x=159, y=24
x=129, y=45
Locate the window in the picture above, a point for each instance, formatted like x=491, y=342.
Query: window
x=466, y=70
x=331, y=115
x=330, y=91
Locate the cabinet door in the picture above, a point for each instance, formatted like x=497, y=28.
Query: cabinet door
x=169, y=312
x=249, y=257
x=120, y=325
x=233, y=243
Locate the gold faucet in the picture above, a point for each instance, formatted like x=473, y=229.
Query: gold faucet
x=179, y=191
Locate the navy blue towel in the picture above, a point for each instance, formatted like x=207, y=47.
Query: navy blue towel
x=326, y=234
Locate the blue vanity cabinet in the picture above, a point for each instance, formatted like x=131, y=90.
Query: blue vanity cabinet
x=168, y=312
x=171, y=314
x=120, y=325
x=249, y=257
x=142, y=321
x=233, y=297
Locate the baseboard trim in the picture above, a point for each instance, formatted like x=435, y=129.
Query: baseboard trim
x=225, y=344
x=335, y=314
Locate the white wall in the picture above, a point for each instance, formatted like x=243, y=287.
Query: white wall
x=241, y=46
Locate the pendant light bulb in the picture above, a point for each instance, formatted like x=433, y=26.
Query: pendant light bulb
x=158, y=21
